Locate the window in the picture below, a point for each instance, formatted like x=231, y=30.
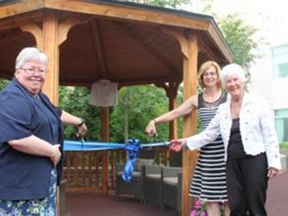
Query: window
x=283, y=70
x=280, y=61
x=281, y=120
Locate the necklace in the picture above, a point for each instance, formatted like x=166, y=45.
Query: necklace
x=214, y=104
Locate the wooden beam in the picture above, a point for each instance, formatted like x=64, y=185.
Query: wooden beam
x=50, y=41
x=36, y=31
x=98, y=47
x=121, y=83
x=20, y=7
x=68, y=23
x=190, y=121
x=157, y=82
x=145, y=46
x=164, y=86
x=180, y=38
x=16, y=21
x=131, y=13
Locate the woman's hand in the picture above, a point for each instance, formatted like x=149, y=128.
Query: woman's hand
x=272, y=172
x=151, y=128
x=56, y=154
x=82, y=130
x=177, y=145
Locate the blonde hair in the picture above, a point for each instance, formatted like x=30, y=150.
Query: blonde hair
x=203, y=68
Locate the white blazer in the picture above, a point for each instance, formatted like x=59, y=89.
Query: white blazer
x=256, y=127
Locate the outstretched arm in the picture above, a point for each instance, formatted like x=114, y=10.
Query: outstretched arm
x=199, y=140
x=70, y=119
x=184, y=109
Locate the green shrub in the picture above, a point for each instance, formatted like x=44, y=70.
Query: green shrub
x=284, y=146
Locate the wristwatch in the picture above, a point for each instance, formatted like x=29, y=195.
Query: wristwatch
x=82, y=122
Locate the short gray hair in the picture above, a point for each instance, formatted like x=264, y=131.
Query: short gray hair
x=28, y=54
x=232, y=69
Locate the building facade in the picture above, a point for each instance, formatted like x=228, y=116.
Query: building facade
x=270, y=80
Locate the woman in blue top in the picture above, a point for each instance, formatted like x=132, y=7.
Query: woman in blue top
x=31, y=141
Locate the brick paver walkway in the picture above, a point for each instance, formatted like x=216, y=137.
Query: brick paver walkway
x=277, y=196
x=91, y=204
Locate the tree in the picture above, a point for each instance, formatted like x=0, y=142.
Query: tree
x=240, y=38
x=75, y=100
x=3, y=83
x=145, y=102
x=162, y=3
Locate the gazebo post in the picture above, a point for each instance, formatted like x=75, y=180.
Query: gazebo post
x=189, y=49
x=190, y=121
x=51, y=48
x=172, y=94
x=47, y=40
x=105, y=137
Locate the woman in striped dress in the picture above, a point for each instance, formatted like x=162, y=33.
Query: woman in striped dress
x=209, y=180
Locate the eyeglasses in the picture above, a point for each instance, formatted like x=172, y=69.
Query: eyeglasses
x=34, y=70
x=206, y=74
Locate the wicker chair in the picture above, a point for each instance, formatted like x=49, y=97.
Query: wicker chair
x=172, y=187
x=152, y=184
x=135, y=187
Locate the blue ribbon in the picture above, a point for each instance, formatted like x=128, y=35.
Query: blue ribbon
x=133, y=148
x=72, y=145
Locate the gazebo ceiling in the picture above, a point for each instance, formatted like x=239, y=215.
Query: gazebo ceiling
x=117, y=41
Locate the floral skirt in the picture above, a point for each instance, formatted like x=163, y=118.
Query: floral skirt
x=40, y=207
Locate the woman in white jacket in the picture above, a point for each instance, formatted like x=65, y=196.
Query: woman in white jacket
x=251, y=146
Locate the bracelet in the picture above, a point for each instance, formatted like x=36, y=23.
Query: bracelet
x=82, y=122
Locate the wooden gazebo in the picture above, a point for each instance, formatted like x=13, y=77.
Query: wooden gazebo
x=127, y=43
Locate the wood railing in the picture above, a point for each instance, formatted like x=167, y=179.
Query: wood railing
x=83, y=170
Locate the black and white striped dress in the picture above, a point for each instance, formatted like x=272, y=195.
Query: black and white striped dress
x=209, y=180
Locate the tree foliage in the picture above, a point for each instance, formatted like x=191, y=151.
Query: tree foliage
x=241, y=39
x=145, y=103
x=162, y=3
x=3, y=83
x=75, y=100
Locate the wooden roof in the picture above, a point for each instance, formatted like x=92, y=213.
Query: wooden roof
x=123, y=42
x=88, y=40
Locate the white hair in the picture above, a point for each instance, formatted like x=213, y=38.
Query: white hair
x=232, y=69
x=28, y=54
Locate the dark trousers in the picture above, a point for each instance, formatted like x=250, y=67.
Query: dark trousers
x=247, y=184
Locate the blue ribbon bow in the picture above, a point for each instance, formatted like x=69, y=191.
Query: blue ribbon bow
x=133, y=148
